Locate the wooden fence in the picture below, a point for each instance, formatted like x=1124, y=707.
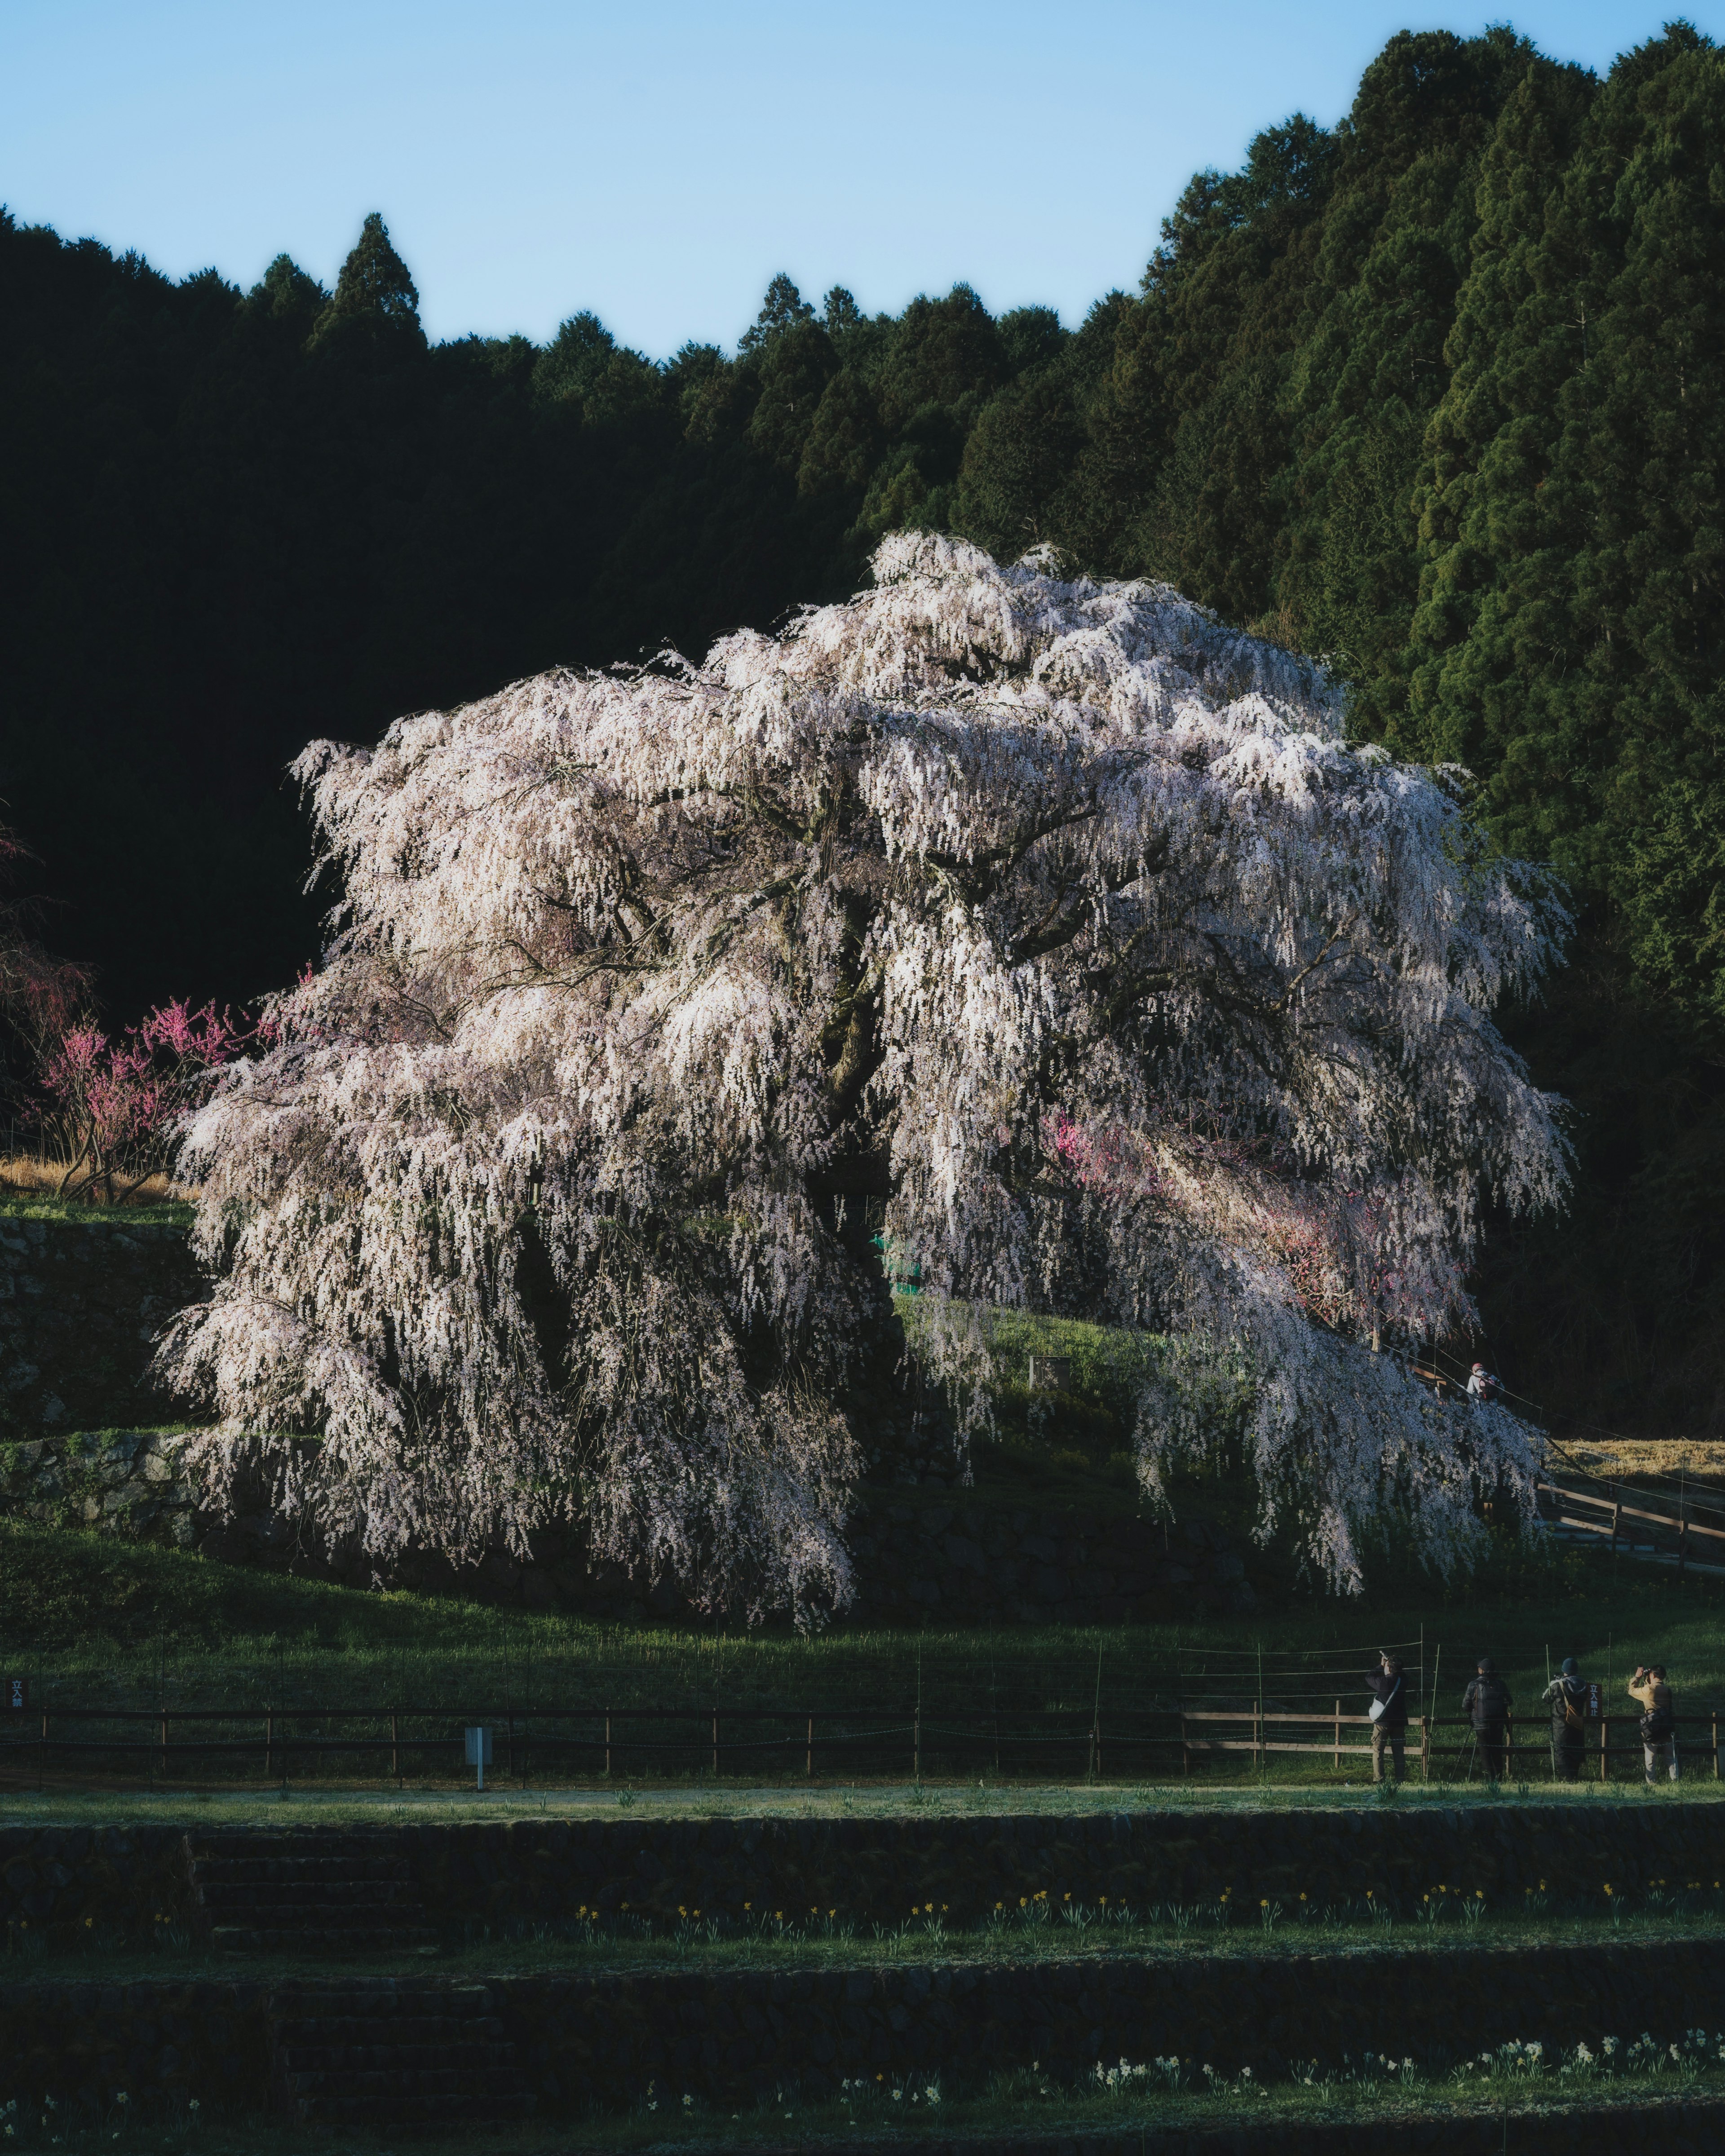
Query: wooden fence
x=1528, y=1756
x=1669, y=1535
x=598, y=1741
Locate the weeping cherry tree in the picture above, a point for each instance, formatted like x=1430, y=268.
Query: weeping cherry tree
x=1049, y=926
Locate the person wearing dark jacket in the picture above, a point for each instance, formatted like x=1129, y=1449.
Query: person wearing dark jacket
x=1389, y=1688
x=1566, y=1697
x=1487, y=1704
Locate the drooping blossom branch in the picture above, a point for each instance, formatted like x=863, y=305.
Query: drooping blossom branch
x=1053, y=914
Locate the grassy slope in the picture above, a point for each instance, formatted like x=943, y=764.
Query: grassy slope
x=92, y=1615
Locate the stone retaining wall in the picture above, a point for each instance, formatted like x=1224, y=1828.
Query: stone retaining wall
x=874, y=1870
x=161, y=2045
x=60, y=1882
x=871, y=1870
x=80, y=1303
x=729, y=2039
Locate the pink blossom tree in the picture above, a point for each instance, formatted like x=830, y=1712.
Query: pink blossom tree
x=1053, y=916
x=114, y=1104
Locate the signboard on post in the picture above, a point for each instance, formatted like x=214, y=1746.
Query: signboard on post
x=1594, y=1707
x=478, y=1751
x=18, y=1695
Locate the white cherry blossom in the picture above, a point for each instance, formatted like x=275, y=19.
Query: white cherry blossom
x=1049, y=925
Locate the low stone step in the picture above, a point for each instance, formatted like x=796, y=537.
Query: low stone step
x=415, y=1998
x=275, y=1894
x=289, y=1938
x=412, y=2109
x=347, y=1894
x=334, y=2032
x=313, y=2066
x=406, y=2077
x=300, y=1870
x=296, y=1841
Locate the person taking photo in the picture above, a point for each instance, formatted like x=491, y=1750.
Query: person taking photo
x=1659, y=1721
x=1389, y=1716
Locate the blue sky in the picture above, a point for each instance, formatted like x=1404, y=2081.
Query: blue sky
x=658, y=162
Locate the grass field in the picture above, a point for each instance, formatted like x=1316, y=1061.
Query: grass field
x=93, y=1621
x=29, y=1190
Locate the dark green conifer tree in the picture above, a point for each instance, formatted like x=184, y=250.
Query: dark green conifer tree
x=373, y=290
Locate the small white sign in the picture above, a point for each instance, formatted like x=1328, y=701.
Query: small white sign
x=478, y=1751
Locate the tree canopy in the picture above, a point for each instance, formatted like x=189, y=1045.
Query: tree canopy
x=1052, y=915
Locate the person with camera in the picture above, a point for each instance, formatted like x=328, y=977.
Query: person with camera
x=1659, y=1721
x=1566, y=1697
x=1487, y=1704
x=1389, y=1716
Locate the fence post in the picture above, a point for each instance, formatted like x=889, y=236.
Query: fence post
x=1605, y=1747
x=1338, y=1735
x=608, y=1748
x=268, y=1739
x=1715, y=1742
x=395, y=1747
x=811, y=1748
x=716, y=1742
x=1185, y=1748
x=916, y=1744
x=1424, y=1747
x=164, y=1744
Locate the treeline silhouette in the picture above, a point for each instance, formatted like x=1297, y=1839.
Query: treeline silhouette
x=1436, y=393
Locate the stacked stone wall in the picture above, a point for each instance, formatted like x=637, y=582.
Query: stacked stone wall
x=81, y=1303
x=728, y=2038
x=504, y=1874
x=874, y=1869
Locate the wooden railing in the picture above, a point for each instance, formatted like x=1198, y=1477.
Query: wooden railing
x=583, y=1741
x=1599, y=1508
x=1598, y=1749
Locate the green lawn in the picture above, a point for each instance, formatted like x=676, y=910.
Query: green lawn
x=92, y=1620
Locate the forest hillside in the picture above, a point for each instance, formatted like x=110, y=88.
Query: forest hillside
x=1436, y=393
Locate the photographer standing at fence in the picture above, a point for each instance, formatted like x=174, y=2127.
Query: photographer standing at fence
x=1487, y=1704
x=1389, y=1716
x=1567, y=1695
x=1659, y=1721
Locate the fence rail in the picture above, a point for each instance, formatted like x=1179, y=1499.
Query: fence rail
x=606, y=1741
x=1586, y=1504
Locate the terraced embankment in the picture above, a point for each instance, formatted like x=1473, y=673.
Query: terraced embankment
x=387, y=2040
x=873, y=1869
x=352, y=2048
